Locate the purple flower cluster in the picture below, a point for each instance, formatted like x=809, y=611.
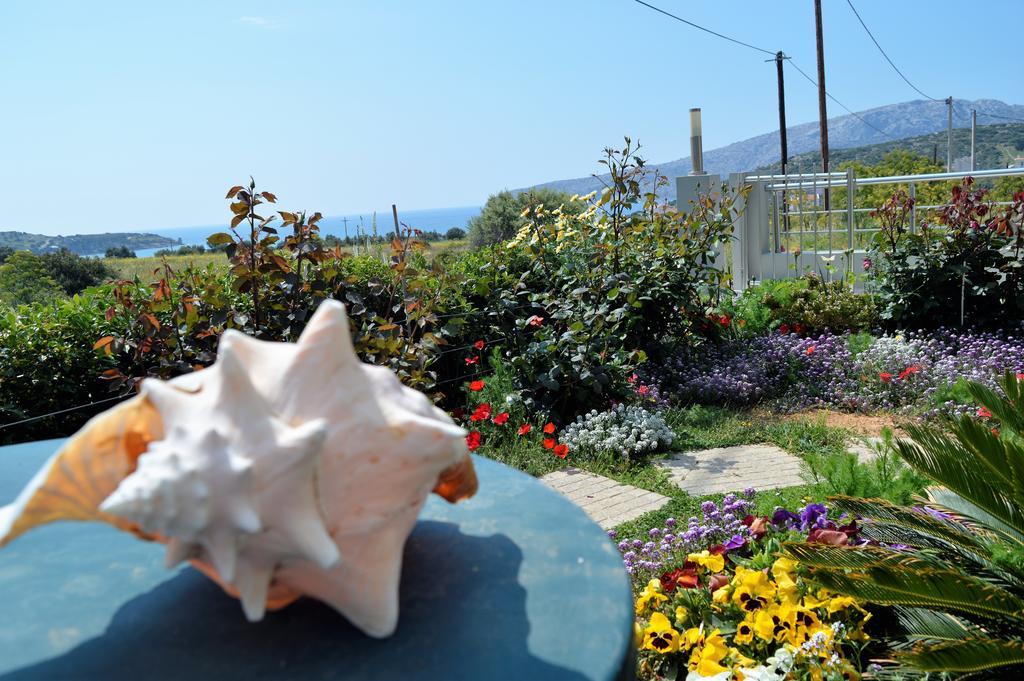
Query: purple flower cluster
x=910, y=372
x=718, y=524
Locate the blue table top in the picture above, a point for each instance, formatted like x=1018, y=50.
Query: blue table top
x=516, y=583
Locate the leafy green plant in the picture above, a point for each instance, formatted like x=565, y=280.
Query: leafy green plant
x=965, y=268
x=25, y=278
x=952, y=570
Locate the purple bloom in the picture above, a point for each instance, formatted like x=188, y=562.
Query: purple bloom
x=784, y=517
x=737, y=541
x=813, y=516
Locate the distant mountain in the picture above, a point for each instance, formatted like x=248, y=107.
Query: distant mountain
x=995, y=146
x=84, y=244
x=895, y=121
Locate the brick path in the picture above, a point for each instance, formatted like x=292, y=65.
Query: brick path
x=731, y=469
x=606, y=501
x=709, y=471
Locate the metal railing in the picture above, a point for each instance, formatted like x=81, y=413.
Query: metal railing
x=790, y=231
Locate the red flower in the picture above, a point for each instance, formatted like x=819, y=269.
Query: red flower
x=633, y=379
x=561, y=451
x=643, y=390
x=984, y=413
x=525, y=428
x=482, y=413
x=758, y=525
x=535, y=320
x=479, y=345
x=784, y=329
x=885, y=376
x=549, y=428
x=476, y=386
x=549, y=443
x=501, y=418
x=725, y=320
x=798, y=328
x=473, y=441
x=472, y=360
x=833, y=537
x=995, y=431
x=913, y=369
x=811, y=349
x=1020, y=377
x=684, y=577
x=717, y=581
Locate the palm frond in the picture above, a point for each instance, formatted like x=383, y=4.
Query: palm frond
x=921, y=624
x=970, y=655
x=881, y=511
x=953, y=464
x=978, y=518
x=890, y=578
x=1009, y=411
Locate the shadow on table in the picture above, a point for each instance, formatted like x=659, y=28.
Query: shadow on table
x=463, y=615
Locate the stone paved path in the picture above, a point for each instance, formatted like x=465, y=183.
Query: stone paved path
x=732, y=469
x=863, y=448
x=608, y=502
x=709, y=471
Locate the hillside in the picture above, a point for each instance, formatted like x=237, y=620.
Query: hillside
x=995, y=147
x=83, y=244
x=897, y=121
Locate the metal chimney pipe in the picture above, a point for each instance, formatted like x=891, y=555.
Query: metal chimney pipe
x=696, y=146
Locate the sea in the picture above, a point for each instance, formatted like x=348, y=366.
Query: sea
x=427, y=220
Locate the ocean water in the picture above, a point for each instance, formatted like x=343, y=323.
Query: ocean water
x=429, y=220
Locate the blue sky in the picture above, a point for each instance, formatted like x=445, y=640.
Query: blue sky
x=139, y=115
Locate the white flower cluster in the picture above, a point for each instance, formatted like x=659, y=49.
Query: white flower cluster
x=625, y=430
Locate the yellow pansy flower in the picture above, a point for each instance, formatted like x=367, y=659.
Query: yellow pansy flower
x=713, y=562
x=681, y=615
x=722, y=595
x=638, y=635
x=692, y=637
x=706, y=660
x=744, y=631
x=776, y=623
x=659, y=635
x=752, y=589
x=651, y=593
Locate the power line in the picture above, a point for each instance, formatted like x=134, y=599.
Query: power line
x=707, y=30
x=829, y=95
x=62, y=411
x=894, y=67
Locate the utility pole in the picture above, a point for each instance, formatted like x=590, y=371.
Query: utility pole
x=394, y=212
x=949, y=134
x=345, y=222
x=822, y=110
x=779, y=56
x=974, y=129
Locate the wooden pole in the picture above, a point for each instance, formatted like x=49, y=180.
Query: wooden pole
x=822, y=109
x=394, y=212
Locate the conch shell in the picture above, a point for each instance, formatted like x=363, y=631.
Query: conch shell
x=284, y=469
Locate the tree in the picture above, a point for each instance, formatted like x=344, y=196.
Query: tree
x=120, y=252
x=501, y=216
x=895, y=162
x=5, y=252
x=73, y=272
x=455, y=233
x=24, y=278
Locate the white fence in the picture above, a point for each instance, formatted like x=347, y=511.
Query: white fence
x=785, y=229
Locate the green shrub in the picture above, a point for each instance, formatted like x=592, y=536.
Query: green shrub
x=965, y=269
x=455, y=233
x=74, y=273
x=25, y=279
x=502, y=215
x=806, y=304
x=47, y=364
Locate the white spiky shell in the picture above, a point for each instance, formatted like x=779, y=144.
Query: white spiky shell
x=286, y=469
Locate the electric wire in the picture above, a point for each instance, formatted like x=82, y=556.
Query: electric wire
x=848, y=109
x=706, y=30
x=893, y=65
x=32, y=419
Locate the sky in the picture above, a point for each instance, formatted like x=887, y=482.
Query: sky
x=136, y=115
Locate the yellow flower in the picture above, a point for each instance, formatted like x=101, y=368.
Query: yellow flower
x=638, y=635
x=660, y=636
x=744, y=631
x=692, y=637
x=681, y=615
x=706, y=660
x=777, y=623
x=753, y=590
x=721, y=595
x=651, y=593
x=842, y=603
x=713, y=562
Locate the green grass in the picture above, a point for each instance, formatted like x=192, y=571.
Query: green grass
x=143, y=268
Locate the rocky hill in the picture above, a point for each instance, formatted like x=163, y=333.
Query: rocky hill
x=83, y=244
x=895, y=121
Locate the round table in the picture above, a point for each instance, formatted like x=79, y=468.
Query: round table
x=516, y=583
